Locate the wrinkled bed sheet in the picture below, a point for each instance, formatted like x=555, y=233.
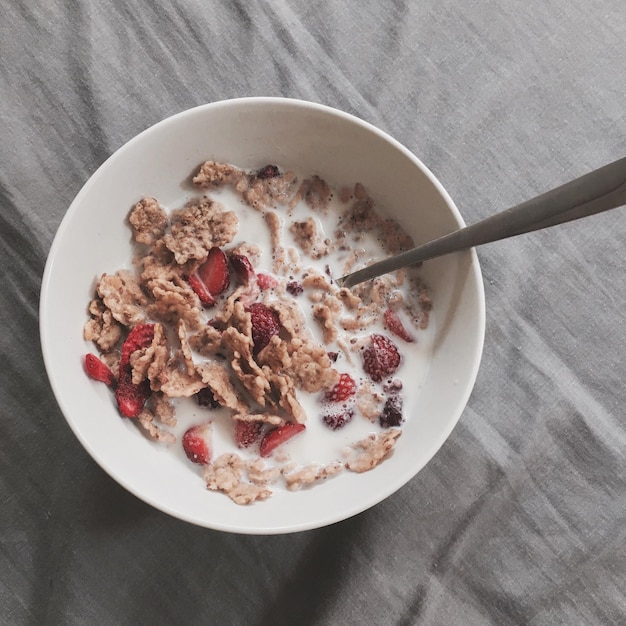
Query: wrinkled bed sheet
x=521, y=516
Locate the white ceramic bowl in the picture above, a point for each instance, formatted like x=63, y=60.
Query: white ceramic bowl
x=251, y=132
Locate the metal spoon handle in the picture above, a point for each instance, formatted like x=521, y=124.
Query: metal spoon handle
x=595, y=192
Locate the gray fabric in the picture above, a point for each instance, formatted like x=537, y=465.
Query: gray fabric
x=521, y=517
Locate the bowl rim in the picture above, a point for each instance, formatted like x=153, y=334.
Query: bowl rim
x=474, y=268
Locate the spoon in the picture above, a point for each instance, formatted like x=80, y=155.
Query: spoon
x=600, y=190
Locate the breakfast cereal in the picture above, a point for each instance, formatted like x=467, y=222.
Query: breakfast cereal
x=231, y=305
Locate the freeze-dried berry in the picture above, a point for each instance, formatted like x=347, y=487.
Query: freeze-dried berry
x=392, y=412
x=140, y=336
x=265, y=281
x=214, y=272
x=98, y=370
x=205, y=397
x=243, y=268
x=294, y=288
x=265, y=324
x=395, y=325
x=338, y=419
x=380, y=357
x=268, y=171
x=333, y=356
x=344, y=388
x=247, y=433
x=131, y=397
x=200, y=290
x=278, y=436
x=197, y=444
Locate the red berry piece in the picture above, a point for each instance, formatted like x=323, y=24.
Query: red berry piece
x=197, y=444
x=247, y=433
x=392, y=412
x=269, y=171
x=265, y=324
x=294, y=288
x=129, y=396
x=344, y=389
x=265, y=281
x=214, y=272
x=243, y=268
x=278, y=436
x=395, y=325
x=200, y=290
x=380, y=357
x=338, y=419
x=98, y=370
x=140, y=336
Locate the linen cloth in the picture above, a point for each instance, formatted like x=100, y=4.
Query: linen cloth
x=521, y=516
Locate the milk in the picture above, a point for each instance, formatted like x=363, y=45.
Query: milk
x=318, y=443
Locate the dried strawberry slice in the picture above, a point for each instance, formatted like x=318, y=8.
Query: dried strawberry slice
x=344, y=389
x=131, y=397
x=266, y=281
x=265, y=324
x=98, y=370
x=197, y=444
x=214, y=272
x=200, y=290
x=278, y=436
x=243, y=268
x=247, y=433
x=380, y=357
x=140, y=336
x=395, y=325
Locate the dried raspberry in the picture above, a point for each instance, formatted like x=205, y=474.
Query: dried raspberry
x=278, y=436
x=269, y=171
x=395, y=325
x=205, y=397
x=344, y=389
x=392, y=412
x=98, y=370
x=247, y=433
x=294, y=288
x=380, y=357
x=214, y=272
x=196, y=444
x=265, y=281
x=243, y=268
x=339, y=419
x=265, y=324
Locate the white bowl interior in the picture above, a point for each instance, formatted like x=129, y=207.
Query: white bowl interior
x=250, y=132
